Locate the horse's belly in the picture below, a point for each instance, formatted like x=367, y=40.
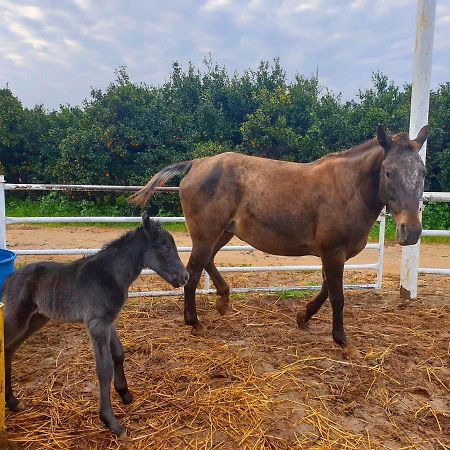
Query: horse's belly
x=282, y=241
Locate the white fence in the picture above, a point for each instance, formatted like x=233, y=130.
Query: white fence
x=442, y=197
x=4, y=187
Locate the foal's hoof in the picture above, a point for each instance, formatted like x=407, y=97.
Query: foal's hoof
x=222, y=305
x=301, y=320
x=350, y=352
x=123, y=437
x=199, y=330
x=127, y=398
x=15, y=405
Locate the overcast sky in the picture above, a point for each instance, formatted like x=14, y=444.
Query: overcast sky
x=53, y=51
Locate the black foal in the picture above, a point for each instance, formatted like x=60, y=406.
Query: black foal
x=91, y=290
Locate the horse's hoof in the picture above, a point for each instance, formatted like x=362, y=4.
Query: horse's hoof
x=350, y=352
x=127, y=398
x=222, y=305
x=199, y=330
x=301, y=320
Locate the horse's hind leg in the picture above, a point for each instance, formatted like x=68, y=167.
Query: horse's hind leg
x=313, y=306
x=118, y=356
x=15, y=335
x=222, y=288
x=101, y=341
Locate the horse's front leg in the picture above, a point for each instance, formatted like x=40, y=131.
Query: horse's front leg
x=333, y=267
x=101, y=341
x=197, y=261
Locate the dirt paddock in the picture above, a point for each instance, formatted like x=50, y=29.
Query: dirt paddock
x=256, y=381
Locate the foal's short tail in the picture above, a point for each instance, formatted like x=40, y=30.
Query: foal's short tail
x=142, y=196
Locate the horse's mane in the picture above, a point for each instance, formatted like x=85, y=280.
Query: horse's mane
x=356, y=150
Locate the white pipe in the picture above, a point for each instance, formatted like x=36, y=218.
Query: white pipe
x=380, y=264
x=436, y=233
x=10, y=220
x=437, y=196
x=420, y=99
x=246, y=290
x=79, y=187
x=434, y=271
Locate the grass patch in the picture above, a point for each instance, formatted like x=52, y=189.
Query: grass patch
x=293, y=294
x=238, y=296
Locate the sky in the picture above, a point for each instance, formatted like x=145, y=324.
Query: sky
x=53, y=51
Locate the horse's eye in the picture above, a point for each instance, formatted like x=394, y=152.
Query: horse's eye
x=388, y=174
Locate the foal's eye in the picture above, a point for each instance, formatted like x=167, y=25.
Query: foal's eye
x=388, y=174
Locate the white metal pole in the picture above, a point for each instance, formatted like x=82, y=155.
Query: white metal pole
x=2, y=213
x=420, y=100
x=381, y=234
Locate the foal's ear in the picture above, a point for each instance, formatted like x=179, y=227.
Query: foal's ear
x=422, y=136
x=150, y=226
x=383, y=138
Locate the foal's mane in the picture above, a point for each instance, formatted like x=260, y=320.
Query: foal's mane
x=120, y=243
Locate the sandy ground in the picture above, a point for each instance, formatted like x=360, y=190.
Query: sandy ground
x=256, y=381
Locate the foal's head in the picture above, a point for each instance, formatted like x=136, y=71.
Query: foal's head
x=161, y=254
x=401, y=181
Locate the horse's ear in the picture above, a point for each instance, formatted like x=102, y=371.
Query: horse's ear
x=383, y=138
x=150, y=226
x=422, y=136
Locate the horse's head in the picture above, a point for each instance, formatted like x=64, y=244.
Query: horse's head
x=401, y=181
x=161, y=254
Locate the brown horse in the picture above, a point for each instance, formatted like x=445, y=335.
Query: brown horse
x=325, y=208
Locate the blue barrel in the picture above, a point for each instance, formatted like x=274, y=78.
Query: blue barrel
x=6, y=265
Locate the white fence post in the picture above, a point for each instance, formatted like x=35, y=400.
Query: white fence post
x=2, y=213
x=381, y=249
x=420, y=99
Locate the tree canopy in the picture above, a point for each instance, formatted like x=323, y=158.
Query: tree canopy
x=127, y=132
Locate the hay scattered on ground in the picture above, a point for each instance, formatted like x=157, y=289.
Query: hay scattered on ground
x=256, y=381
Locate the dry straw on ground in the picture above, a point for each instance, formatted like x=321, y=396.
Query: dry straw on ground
x=256, y=381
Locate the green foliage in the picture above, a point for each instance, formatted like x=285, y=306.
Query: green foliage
x=59, y=204
x=127, y=132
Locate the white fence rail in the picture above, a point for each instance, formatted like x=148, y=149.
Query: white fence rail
x=441, y=197
x=4, y=220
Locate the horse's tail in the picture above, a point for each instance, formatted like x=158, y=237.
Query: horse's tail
x=142, y=196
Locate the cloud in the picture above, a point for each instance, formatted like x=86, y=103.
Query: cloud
x=31, y=12
x=53, y=52
x=84, y=5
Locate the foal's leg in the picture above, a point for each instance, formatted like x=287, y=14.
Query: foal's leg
x=118, y=356
x=101, y=341
x=222, y=288
x=314, y=305
x=14, y=338
x=334, y=271
x=200, y=256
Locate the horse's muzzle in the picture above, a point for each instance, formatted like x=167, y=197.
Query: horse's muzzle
x=180, y=279
x=408, y=227
x=407, y=235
